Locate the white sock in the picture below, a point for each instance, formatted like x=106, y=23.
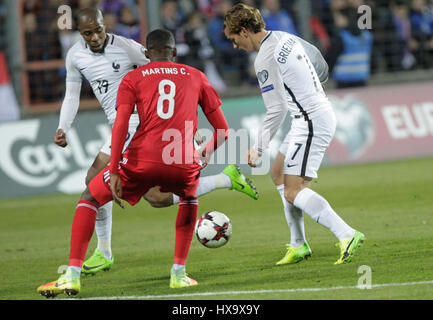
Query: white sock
x=221, y=181
x=73, y=271
x=209, y=184
x=103, y=229
x=295, y=220
x=320, y=211
x=175, y=199
x=178, y=267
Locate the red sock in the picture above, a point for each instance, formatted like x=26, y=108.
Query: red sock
x=82, y=231
x=185, y=223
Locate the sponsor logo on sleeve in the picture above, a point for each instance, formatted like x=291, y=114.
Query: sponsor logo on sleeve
x=267, y=88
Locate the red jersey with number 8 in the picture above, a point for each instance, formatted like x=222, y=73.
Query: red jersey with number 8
x=167, y=95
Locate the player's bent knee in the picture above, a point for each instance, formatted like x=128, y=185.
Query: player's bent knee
x=91, y=173
x=87, y=196
x=98, y=164
x=159, y=199
x=277, y=170
x=277, y=176
x=291, y=193
x=157, y=204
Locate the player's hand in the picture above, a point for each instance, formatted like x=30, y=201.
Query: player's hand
x=198, y=138
x=116, y=189
x=60, y=138
x=204, y=157
x=252, y=157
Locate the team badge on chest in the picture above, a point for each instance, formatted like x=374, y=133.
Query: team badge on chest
x=115, y=66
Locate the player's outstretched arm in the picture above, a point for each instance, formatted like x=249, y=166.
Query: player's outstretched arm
x=221, y=133
x=68, y=112
x=118, y=137
x=126, y=101
x=116, y=189
x=71, y=101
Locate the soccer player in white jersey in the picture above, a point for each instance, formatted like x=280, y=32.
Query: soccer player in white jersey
x=290, y=83
x=104, y=59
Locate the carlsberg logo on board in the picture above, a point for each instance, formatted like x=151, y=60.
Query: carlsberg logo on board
x=32, y=160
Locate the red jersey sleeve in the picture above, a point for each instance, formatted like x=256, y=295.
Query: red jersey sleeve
x=126, y=92
x=126, y=98
x=221, y=133
x=209, y=98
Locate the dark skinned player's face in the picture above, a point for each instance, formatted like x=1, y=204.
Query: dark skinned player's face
x=93, y=33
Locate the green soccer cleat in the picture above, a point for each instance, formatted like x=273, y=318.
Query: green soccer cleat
x=96, y=262
x=65, y=284
x=240, y=182
x=348, y=247
x=295, y=255
x=180, y=279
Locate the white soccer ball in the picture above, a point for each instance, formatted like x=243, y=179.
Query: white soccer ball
x=213, y=229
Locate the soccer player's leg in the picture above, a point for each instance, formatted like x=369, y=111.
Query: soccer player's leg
x=298, y=248
x=158, y=199
x=239, y=182
x=186, y=182
x=102, y=258
x=83, y=226
x=82, y=229
x=185, y=222
x=230, y=178
x=318, y=208
x=297, y=177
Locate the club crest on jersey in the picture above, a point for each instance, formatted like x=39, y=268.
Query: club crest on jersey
x=262, y=76
x=115, y=66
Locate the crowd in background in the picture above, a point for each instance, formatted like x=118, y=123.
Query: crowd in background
x=401, y=37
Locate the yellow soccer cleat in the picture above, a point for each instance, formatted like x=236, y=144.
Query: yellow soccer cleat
x=180, y=279
x=65, y=284
x=240, y=182
x=349, y=247
x=96, y=263
x=295, y=255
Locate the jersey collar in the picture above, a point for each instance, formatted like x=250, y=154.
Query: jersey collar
x=109, y=42
x=265, y=38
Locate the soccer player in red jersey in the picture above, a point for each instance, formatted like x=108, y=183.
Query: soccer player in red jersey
x=161, y=153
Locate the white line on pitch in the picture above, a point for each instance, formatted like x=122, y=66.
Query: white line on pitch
x=203, y=294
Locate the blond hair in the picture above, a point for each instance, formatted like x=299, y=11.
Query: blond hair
x=243, y=15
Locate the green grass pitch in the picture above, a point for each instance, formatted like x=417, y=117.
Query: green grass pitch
x=391, y=203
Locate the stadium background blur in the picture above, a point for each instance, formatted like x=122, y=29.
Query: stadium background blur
x=35, y=48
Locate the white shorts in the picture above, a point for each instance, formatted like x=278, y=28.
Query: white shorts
x=132, y=129
x=305, y=144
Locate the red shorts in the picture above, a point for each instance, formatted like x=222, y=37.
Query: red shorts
x=137, y=181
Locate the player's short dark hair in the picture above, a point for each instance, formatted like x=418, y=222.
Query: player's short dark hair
x=160, y=39
x=243, y=15
x=89, y=14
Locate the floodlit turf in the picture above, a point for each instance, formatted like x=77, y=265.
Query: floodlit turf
x=391, y=203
